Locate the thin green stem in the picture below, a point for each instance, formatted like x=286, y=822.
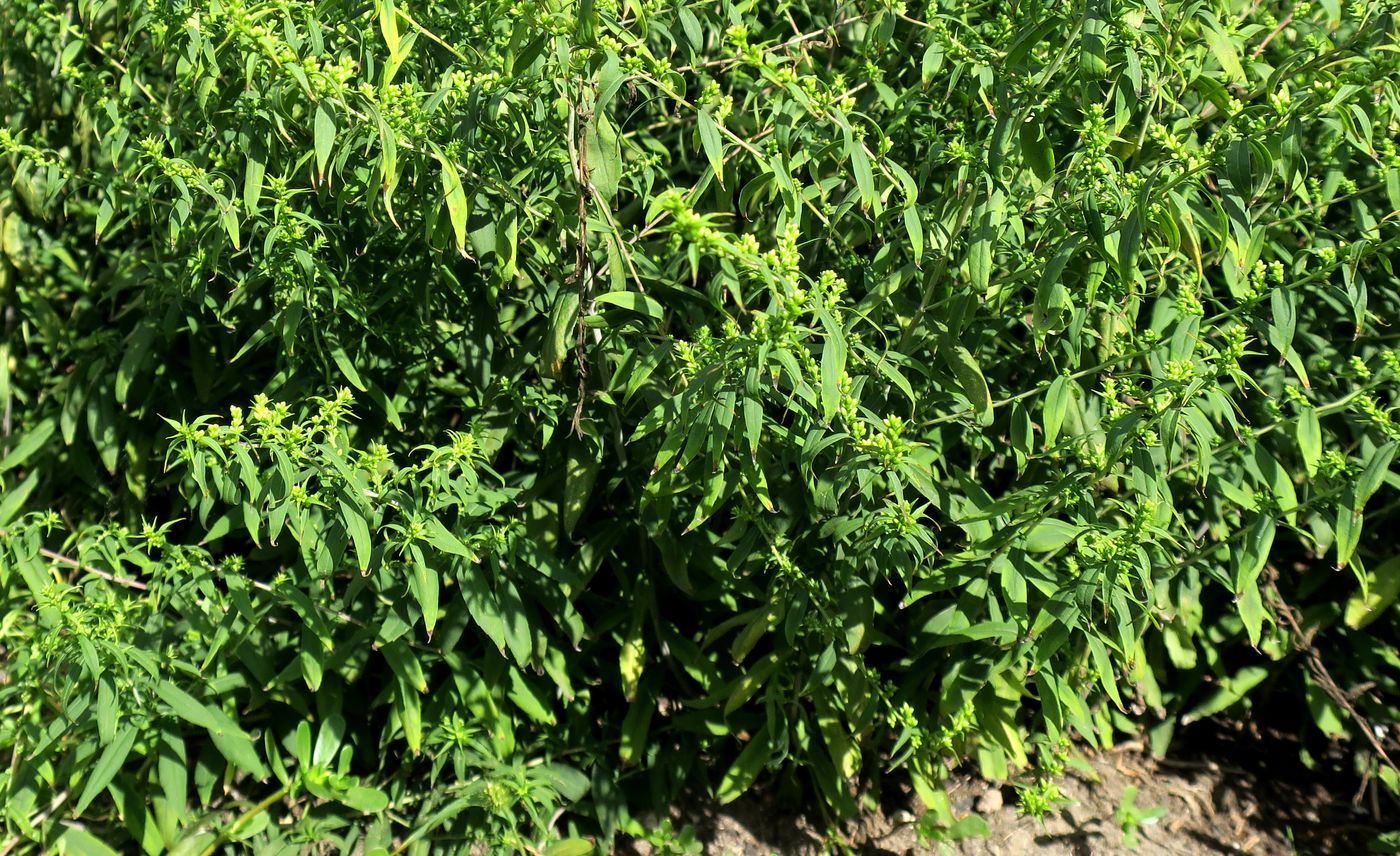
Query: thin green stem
x=243, y=819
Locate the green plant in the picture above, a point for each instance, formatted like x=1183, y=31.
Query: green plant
x=938, y=825
x=665, y=841
x=576, y=399
x=1131, y=817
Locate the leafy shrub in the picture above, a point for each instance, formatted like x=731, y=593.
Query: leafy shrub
x=436, y=423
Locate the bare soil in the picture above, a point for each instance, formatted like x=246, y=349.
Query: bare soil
x=1233, y=792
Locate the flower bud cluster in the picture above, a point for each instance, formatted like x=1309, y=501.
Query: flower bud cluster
x=948, y=738
x=154, y=149
x=1262, y=276
x=720, y=104
x=1188, y=300
x=888, y=446
x=1296, y=396
x=400, y=104
x=1236, y=341
x=825, y=96
x=1378, y=415
x=12, y=147
x=694, y=355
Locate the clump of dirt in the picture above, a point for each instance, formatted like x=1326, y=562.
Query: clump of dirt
x=1231, y=792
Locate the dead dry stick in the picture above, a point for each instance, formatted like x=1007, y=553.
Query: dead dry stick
x=1302, y=642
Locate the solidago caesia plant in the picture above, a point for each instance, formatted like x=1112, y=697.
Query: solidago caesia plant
x=433, y=425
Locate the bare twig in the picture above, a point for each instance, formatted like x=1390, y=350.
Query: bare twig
x=1302, y=642
x=579, y=119
x=1270, y=37
x=61, y=559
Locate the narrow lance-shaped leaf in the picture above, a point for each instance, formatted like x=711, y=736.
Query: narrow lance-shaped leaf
x=559, y=339
x=604, y=156
x=986, y=222
x=108, y=763
x=635, y=301
x=1057, y=401
x=454, y=197
x=324, y=136
x=1377, y=466
x=1253, y=554
x=914, y=229
x=970, y=380
x=744, y=771
x=865, y=177
x=710, y=141
x=1380, y=590
x=389, y=26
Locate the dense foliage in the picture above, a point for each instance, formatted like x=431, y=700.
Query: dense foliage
x=428, y=422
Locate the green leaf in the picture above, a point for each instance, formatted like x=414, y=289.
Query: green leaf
x=77, y=841
x=1093, y=40
x=1239, y=169
x=389, y=26
x=1051, y=535
x=347, y=368
x=1037, y=151
x=1377, y=466
x=865, y=178
x=580, y=473
x=1253, y=554
x=425, y=586
x=1230, y=691
x=30, y=443
x=357, y=527
x=710, y=141
x=568, y=781
x=228, y=218
x=14, y=497
x=405, y=664
x=1308, y=433
x=1348, y=531
x=1251, y=608
x=526, y=697
x=1050, y=292
x=187, y=707
x=1057, y=401
x=1129, y=243
x=253, y=173
x=914, y=229
x=365, y=800
x=970, y=381
x=744, y=771
x=1380, y=590
x=986, y=225
x=635, y=727
x=635, y=302
x=1285, y=323
x=105, y=212
x=604, y=156
x=324, y=136
x=442, y=539
x=108, y=763
x=832, y=367
x=932, y=61
x=454, y=197
x=559, y=340
x=232, y=742
x=483, y=607
x=1222, y=47
x=968, y=826
x=570, y=847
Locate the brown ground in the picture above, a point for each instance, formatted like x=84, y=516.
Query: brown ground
x=1257, y=800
